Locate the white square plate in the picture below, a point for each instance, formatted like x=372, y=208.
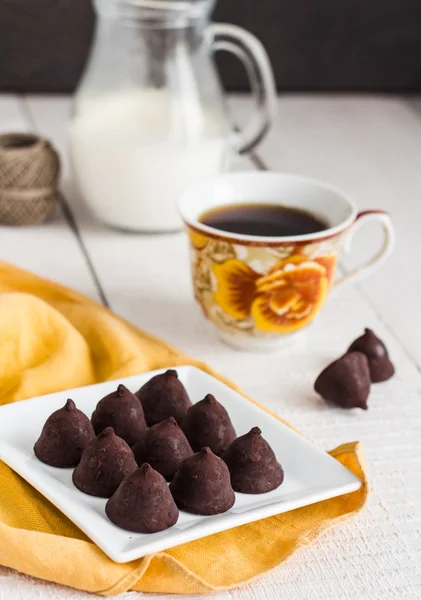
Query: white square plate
x=310, y=474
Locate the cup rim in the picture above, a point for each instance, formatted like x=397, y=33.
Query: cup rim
x=184, y=202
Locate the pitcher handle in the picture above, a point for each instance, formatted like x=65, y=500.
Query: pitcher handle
x=252, y=54
x=386, y=248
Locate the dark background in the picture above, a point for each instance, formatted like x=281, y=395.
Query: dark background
x=314, y=45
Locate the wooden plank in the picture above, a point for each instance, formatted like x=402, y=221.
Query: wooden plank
x=371, y=149
x=147, y=280
x=51, y=249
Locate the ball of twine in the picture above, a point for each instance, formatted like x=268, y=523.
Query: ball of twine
x=29, y=172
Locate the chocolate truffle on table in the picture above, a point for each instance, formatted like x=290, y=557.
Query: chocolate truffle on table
x=346, y=382
x=252, y=464
x=164, y=396
x=64, y=437
x=381, y=368
x=207, y=423
x=143, y=503
x=164, y=446
x=105, y=462
x=202, y=484
x=122, y=411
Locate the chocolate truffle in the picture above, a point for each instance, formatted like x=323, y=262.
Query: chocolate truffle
x=105, y=462
x=346, y=382
x=252, y=464
x=143, y=503
x=164, y=446
x=207, y=423
x=381, y=368
x=202, y=484
x=64, y=437
x=164, y=396
x=122, y=411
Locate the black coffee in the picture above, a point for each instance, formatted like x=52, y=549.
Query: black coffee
x=271, y=220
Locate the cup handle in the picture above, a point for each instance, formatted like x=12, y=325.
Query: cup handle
x=252, y=54
x=374, y=262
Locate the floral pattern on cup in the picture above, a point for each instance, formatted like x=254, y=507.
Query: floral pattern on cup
x=261, y=290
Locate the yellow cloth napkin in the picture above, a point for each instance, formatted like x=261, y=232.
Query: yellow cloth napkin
x=53, y=338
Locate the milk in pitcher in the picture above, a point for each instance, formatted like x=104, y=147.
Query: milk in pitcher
x=150, y=116
x=135, y=151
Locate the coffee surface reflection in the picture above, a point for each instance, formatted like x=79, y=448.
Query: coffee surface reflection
x=269, y=220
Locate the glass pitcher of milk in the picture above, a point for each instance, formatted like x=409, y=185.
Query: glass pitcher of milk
x=149, y=114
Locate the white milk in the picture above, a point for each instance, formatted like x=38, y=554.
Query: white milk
x=133, y=153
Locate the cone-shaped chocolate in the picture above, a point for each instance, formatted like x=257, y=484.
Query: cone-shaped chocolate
x=202, y=484
x=105, y=462
x=122, y=411
x=381, y=368
x=346, y=382
x=207, y=423
x=143, y=503
x=164, y=396
x=252, y=464
x=64, y=437
x=164, y=446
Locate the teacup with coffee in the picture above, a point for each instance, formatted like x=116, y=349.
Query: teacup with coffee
x=264, y=251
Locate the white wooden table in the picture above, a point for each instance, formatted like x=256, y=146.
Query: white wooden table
x=370, y=147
